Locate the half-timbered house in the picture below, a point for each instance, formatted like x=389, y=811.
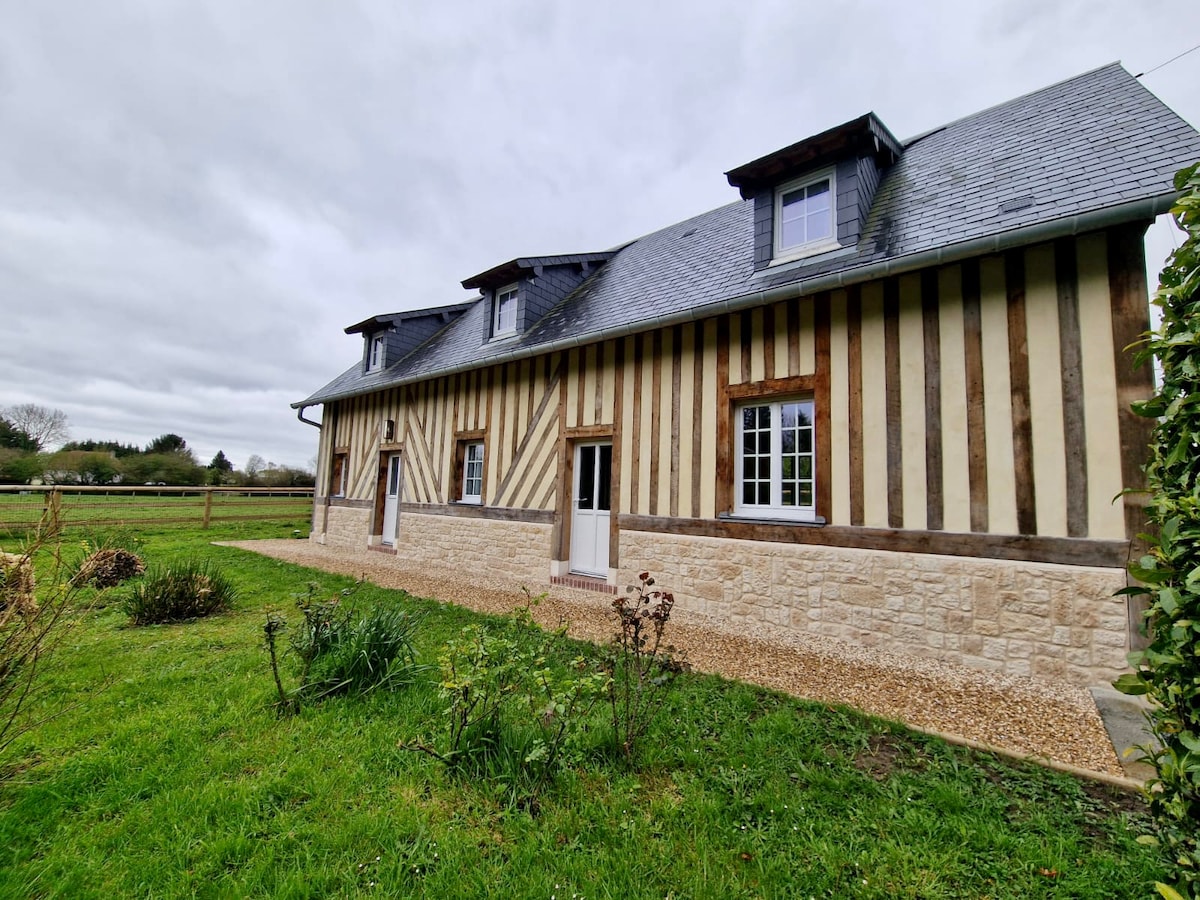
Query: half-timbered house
x=883, y=397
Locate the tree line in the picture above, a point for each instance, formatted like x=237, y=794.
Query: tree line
x=28, y=431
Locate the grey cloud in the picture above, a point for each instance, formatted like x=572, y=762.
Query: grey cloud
x=196, y=197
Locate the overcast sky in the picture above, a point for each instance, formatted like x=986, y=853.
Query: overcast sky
x=196, y=198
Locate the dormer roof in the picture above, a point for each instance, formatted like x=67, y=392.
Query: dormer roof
x=514, y=269
x=864, y=136
x=388, y=320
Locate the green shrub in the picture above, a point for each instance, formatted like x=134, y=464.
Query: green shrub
x=510, y=713
x=1168, y=671
x=187, y=590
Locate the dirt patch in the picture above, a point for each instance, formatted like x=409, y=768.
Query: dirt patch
x=1056, y=722
x=887, y=755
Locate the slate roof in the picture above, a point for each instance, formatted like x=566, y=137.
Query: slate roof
x=1091, y=143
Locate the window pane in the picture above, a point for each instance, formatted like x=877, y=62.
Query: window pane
x=819, y=226
x=789, y=441
x=789, y=467
x=764, y=494
x=506, y=311
x=587, y=477
x=764, y=417
x=748, y=468
x=764, y=442
x=394, y=477
x=805, y=466
x=789, y=493
x=749, y=415
x=793, y=200
x=748, y=493
x=791, y=234
x=604, y=500
x=749, y=442
x=806, y=494
x=764, y=467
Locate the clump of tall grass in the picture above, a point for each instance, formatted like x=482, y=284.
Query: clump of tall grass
x=345, y=648
x=191, y=589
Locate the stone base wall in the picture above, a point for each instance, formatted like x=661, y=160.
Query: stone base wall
x=347, y=527
x=518, y=550
x=1050, y=622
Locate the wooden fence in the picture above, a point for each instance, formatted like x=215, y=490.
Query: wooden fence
x=23, y=507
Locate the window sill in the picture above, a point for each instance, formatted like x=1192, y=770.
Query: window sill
x=465, y=502
x=789, y=263
x=815, y=522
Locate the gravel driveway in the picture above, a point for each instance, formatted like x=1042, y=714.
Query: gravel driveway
x=1016, y=715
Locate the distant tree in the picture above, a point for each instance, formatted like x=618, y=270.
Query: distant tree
x=116, y=448
x=221, y=463
x=18, y=467
x=254, y=465
x=219, y=468
x=286, y=476
x=14, y=438
x=45, y=426
x=167, y=443
x=164, y=468
x=82, y=467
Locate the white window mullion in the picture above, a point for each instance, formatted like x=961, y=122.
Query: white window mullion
x=776, y=456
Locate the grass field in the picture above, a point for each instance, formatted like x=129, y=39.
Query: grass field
x=169, y=775
x=170, y=506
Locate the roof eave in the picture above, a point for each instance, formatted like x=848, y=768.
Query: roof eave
x=866, y=134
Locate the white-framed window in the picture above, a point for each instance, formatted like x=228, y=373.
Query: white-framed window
x=376, y=353
x=806, y=216
x=776, y=460
x=505, y=319
x=472, y=476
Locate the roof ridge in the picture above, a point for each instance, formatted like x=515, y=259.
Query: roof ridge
x=908, y=142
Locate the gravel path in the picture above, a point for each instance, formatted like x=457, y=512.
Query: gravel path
x=1019, y=715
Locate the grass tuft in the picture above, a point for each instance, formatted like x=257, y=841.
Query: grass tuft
x=188, y=590
x=363, y=651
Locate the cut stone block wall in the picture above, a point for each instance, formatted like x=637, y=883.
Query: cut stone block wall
x=347, y=527
x=518, y=550
x=1045, y=621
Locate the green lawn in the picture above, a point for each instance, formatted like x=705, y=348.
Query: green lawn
x=171, y=776
x=19, y=511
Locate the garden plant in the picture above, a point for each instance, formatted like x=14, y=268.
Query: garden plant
x=1168, y=670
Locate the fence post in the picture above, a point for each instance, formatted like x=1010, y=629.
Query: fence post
x=207, y=507
x=54, y=510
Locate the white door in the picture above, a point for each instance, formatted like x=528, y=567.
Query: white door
x=589, y=520
x=391, y=500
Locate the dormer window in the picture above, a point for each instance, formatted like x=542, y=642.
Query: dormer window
x=375, y=353
x=815, y=196
x=504, y=321
x=804, y=216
